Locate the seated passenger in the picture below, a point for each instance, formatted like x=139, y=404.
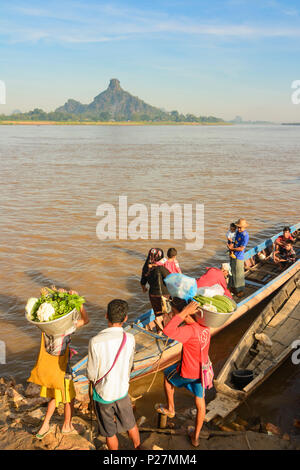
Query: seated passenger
x=287, y=236
x=285, y=255
x=216, y=276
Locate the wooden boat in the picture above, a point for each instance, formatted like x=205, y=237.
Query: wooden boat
x=262, y=349
x=154, y=352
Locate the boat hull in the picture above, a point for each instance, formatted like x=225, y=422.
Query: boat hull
x=158, y=357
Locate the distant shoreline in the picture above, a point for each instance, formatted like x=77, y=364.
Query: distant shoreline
x=112, y=123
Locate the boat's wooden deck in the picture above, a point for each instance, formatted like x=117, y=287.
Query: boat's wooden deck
x=146, y=346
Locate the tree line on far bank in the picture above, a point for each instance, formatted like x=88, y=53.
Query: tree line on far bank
x=105, y=116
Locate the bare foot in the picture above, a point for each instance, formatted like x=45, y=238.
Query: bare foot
x=191, y=434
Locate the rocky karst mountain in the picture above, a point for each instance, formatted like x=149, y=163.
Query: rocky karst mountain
x=113, y=104
x=116, y=102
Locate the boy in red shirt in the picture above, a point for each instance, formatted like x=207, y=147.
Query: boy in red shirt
x=286, y=237
x=194, y=371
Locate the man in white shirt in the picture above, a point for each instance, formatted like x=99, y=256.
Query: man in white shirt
x=110, y=359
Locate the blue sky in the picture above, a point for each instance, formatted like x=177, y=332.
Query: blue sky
x=223, y=58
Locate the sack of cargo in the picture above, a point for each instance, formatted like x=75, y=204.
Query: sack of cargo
x=181, y=286
x=216, y=289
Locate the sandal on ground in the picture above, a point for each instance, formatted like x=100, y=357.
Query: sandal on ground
x=162, y=410
x=41, y=436
x=73, y=431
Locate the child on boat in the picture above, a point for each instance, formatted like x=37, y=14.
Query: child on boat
x=230, y=235
x=285, y=255
x=283, y=239
x=172, y=264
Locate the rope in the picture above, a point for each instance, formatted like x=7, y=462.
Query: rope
x=91, y=412
x=155, y=374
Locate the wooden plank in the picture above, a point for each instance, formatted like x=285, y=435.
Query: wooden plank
x=222, y=405
x=228, y=391
x=255, y=363
x=270, y=331
x=253, y=283
x=287, y=331
x=264, y=270
x=286, y=309
x=277, y=348
x=265, y=364
x=290, y=287
x=267, y=372
x=256, y=276
x=296, y=313
x=279, y=299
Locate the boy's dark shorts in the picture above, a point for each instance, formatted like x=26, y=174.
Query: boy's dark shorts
x=114, y=417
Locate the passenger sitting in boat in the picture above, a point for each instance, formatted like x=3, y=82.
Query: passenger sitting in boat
x=172, y=264
x=154, y=274
x=194, y=371
x=285, y=255
x=287, y=236
x=216, y=276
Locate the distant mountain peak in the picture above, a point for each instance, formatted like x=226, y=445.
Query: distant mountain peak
x=114, y=84
x=118, y=103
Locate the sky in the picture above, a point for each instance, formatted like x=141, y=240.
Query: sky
x=220, y=58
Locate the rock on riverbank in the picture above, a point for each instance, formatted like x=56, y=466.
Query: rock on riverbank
x=22, y=411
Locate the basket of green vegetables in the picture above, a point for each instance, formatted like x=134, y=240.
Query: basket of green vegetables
x=54, y=311
x=214, y=311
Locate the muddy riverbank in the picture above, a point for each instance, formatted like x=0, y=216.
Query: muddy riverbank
x=22, y=410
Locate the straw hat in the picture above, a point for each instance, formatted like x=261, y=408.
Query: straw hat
x=242, y=223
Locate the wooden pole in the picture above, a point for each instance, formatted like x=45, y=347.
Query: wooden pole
x=162, y=421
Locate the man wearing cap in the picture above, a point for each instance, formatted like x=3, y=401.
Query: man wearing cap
x=237, y=263
x=216, y=276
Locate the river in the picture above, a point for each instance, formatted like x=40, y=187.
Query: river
x=53, y=178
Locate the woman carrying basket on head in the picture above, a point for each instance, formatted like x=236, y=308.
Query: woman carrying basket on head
x=53, y=372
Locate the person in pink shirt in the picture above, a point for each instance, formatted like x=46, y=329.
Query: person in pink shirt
x=172, y=264
x=194, y=371
x=216, y=276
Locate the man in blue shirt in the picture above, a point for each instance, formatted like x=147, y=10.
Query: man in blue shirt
x=237, y=263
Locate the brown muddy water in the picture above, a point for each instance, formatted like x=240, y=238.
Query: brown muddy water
x=52, y=181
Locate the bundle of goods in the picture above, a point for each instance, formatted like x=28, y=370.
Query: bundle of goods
x=54, y=310
x=214, y=311
x=218, y=303
x=181, y=286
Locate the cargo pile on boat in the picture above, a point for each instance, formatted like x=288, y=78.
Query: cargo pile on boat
x=217, y=303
